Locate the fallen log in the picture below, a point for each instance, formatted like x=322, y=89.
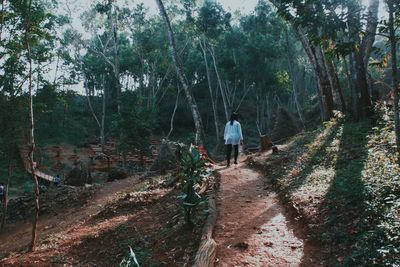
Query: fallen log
x=206, y=255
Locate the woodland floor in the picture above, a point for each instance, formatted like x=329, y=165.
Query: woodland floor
x=130, y=212
x=253, y=229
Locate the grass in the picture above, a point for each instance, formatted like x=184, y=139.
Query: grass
x=344, y=180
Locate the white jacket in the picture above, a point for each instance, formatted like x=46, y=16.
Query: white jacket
x=233, y=133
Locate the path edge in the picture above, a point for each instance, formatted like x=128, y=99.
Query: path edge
x=207, y=252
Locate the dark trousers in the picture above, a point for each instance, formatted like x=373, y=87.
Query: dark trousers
x=229, y=152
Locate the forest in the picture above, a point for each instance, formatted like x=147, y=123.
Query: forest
x=114, y=129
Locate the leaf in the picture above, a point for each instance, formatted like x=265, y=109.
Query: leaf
x=195, y=154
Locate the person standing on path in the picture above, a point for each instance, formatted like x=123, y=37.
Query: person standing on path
x=233, y=137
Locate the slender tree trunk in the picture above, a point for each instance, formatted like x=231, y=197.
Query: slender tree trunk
x=56, y=71
x=291, y=70
x=363, y=97
x=114, y=32
x=2, y=19
x=5, y=204
x=103, y=115
x=210, y=90
x=173, y=113
x=335, y=84
x=315, y=57
x=221, y=88
x=325, y=85
x=100, y=125
x=90, y=104
x=191, y=101
x=393, y=45
x=262, y=118
x=31, y=129
x=348, y=78
x=270, y=108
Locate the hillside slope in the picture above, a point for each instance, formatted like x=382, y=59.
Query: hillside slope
x=344, y=182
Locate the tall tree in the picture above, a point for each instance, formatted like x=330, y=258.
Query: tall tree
x=394, y=17
x=321, y=26
x=361, y=55
x=27, y=29
x=182, y=78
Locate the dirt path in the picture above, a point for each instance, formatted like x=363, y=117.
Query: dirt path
x=252, y=228
x=17, y=237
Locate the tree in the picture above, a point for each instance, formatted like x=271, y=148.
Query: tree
x=361, y=55
x=394, y=20
x=211, y=22
x=321, y=27
x=28, y=28
x=134, y=125
x=31, y=38
x=181, y=75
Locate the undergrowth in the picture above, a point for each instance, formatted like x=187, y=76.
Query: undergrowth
x=344, y=180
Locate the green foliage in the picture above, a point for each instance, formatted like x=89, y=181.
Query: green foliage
x=320, y=18
x=212, y=19
x=134, y=125
x=193, y=172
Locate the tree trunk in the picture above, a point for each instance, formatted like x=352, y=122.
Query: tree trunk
x=335, y=84
x=116, y=57
x=315, y=57
x=103, y=115
x=31, y=129
x=362, y=54
x=349, y=79
x=5, y=204
x=181, y=75
x=292, y=76
x=324, y=82
x=173, y=114
x=2, y=19
x=269, y=113
x=393, y=46
x=90, y=104
x=370, y=32
x=221, y=88
x=210, y=90
x=363, y=97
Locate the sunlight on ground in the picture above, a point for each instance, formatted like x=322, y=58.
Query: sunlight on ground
x=78, y=234
x=317, y=181
x=278, y=242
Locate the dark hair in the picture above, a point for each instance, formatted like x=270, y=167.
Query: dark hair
x=234, y=117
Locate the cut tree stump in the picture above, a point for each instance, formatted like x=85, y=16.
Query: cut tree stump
x=266, y=143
